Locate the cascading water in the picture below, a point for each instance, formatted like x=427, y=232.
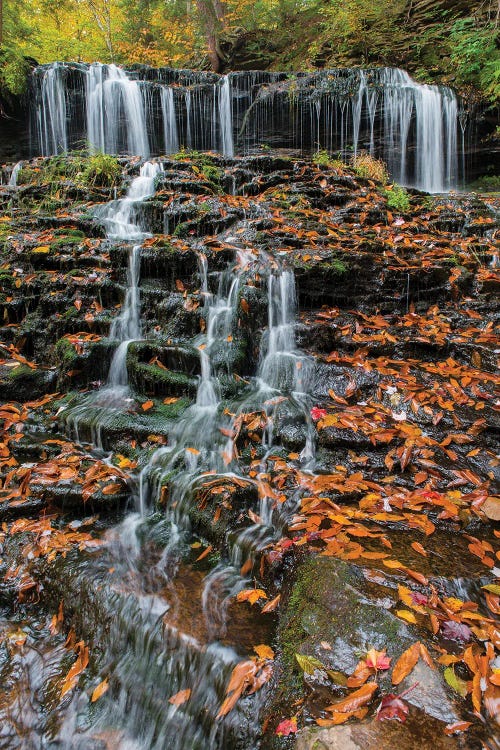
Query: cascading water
x=121, y=222
x=169, y=122
x=281, y=384
x=15, y=173
x=382, y=110
x=51, y=112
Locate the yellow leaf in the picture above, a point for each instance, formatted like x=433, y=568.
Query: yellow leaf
x=407, y=615
x=42, y=249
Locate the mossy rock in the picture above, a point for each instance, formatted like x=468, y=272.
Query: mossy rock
x=22, y=383
x=332, y=602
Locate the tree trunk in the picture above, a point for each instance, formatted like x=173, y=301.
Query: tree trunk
x=211, y=14
x=1, y=21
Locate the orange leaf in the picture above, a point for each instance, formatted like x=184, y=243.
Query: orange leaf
x=244, y=306
x=263, y=651
x=405, y=663
x=100, y=690
x=271, y=606
x=147, y=405
x=355, y=700
x=181, y=697
x=204, y=553
x=112, y=489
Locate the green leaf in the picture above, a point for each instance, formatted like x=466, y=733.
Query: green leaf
x=309, y=664
x=338, y=678
x=455, y=682
x=493, y=588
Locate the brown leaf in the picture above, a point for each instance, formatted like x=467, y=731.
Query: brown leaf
x=241, y=677
x=271, y=606
x=405, y=663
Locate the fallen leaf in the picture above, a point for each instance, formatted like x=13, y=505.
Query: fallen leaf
x=181, y=697
x=355, y=700
x=392, y=707
x=264, y=652
x=405, y=663
x=287, y=727
x=100, y=690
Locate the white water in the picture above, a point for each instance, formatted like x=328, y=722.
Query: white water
x=114, y=103
x=170, y=135
x=51, y=113
x=226, y=118
x=119, y=218
x=14, y=174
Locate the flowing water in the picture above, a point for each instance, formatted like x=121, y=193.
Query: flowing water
x=170, y=655
x=120, y=218
x=383, y=111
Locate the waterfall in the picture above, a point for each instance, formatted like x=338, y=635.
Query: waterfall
x=120, y=221
x=14, y=174
x=383, y=111
x=226, y=118
x=51, y=114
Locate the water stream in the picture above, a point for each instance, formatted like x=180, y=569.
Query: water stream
x=121, y=220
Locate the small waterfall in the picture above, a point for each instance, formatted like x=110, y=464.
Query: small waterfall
x=281, y=384
x=14, y=174
x=226, y=118
x=119, y=216
x=169, y=122
x=120, y=222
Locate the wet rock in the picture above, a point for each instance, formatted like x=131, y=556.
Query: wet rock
x=419, y=732
x=331, y=603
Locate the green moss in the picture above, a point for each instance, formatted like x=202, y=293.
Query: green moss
x=19, y=372
x=65, y=353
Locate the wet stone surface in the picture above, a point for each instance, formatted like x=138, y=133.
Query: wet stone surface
x=269, y=432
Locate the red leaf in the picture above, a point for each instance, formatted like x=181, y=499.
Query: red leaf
x=392, y=707
x=287, y=727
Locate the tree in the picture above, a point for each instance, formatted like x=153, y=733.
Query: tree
x=101, y=12
x=211, y=14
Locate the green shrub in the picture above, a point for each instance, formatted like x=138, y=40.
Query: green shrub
x=101, y=170
x=370, y=168
x=397, y=198
x=14, y=69
x=321, y=158
x=488, y=183
x=475, y=55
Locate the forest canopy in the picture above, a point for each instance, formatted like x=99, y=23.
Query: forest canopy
x=456, y=41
